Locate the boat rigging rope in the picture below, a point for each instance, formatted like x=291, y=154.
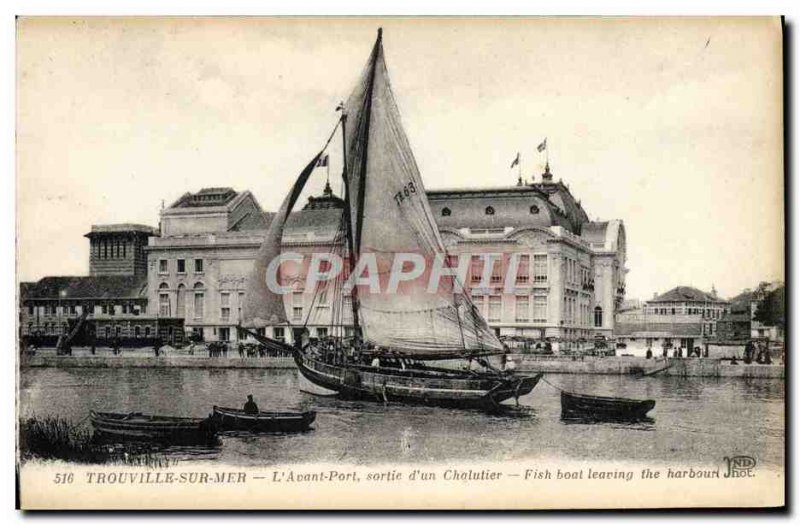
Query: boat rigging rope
x=552, y=385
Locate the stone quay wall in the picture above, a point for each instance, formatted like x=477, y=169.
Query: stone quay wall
x=636, y=366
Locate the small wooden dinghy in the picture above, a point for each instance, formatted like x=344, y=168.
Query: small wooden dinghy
x=135, y=426
x=235, y=419
x=597, y=408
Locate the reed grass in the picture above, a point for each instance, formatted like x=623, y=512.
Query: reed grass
x=58, y=438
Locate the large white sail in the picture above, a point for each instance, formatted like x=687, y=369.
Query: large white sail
x=390, y=215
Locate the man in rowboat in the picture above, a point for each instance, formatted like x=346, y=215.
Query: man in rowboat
x=250, y=406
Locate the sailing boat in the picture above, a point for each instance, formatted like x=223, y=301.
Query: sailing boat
x=395, y=335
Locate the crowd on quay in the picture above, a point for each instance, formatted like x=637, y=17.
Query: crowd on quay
x=214, y=349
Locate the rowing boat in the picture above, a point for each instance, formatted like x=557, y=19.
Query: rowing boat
x=598, y=408
x=235, y=419
x=135, y=426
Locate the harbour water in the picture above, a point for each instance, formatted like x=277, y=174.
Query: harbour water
x=696, y=420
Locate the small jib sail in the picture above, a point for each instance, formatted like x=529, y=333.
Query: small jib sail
x=263, y=307
x=389, y=215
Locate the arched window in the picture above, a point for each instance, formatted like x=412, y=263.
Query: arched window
x=598, y=317
x=163, y=300
x=199, y=298
x=180, y=301
x=446, y=212
x=534, y=209
x=489, y=210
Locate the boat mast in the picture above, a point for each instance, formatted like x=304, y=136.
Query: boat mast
x=354, y=234
x=351, y=256
x=367, y=118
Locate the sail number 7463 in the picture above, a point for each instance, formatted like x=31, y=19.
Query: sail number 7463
x=407, y=190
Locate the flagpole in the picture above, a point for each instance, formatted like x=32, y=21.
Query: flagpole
x=546, y=152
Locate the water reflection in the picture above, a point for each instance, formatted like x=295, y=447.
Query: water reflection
x=646, y=423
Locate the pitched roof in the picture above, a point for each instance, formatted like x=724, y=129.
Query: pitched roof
x=324, y=221
x=253, y=221
x=682, y=294
x=91, y=287
x=206, y=197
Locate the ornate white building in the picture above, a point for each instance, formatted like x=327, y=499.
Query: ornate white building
x=568, y=285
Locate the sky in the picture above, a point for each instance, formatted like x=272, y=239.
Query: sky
x=673, y=126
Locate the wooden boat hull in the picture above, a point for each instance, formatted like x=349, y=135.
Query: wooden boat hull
x=139, y=427
x=235, y=419
x=596, y=408
x=431, y=386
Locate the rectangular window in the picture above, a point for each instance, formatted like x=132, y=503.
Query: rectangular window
x=181, y=265
x=225, y=307
x=278, y=333
x=540, y=268
x=495, y=307
x=347, y=309
x=297, y=306
x=199, y=300
x=198, y=266
x=163, y=266
x=322, y=332
x=524, y=269
x=521, y=312
x=497, y=270
x=476, y=268
x=163, y=305
x=539, y=308
x=241, y=305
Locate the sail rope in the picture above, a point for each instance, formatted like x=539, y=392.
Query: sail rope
x=552, y=385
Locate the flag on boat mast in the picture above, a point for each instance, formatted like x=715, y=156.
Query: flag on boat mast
x=323, y=163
